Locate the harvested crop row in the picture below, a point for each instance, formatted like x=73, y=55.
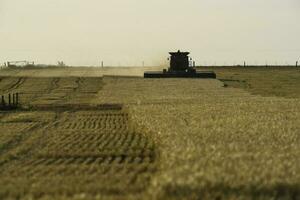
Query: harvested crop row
x=109, y=153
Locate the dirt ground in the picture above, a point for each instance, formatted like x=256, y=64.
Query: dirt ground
x=80, y=135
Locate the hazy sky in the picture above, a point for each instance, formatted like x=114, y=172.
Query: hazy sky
x=127, y=32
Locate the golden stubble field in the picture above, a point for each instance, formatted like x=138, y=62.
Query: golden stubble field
x=81, y=136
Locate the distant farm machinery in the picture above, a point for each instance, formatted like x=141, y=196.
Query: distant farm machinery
x=180, y=68
x=14, y=64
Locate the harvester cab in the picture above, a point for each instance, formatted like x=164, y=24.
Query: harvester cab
x=180, y=61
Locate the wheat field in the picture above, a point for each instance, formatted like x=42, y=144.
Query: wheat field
x=83, y=135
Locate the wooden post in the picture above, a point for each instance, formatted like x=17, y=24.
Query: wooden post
x=296, y=63
x=244, y=63
x=9, y=99
x=17, y=98
x=3, y=101
x=13, y=100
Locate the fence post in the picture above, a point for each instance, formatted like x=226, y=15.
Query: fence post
x=3, y=101
x=296, y=63
x=9, y=99
x=17, y=99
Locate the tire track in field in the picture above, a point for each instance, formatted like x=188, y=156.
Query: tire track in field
x=13, y=86
x=19, y=82
x=54, y=84
x=85, y=91
x=45, y=94
x=72, y=93
x=59, y=93
x=76, y=93
x=30, y=96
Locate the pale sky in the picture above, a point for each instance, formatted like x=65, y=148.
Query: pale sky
x=128, y=32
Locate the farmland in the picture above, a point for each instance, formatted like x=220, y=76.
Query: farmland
x=82, y=135
x=264, y=81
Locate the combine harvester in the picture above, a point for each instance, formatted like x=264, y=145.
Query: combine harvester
x=180, y=68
